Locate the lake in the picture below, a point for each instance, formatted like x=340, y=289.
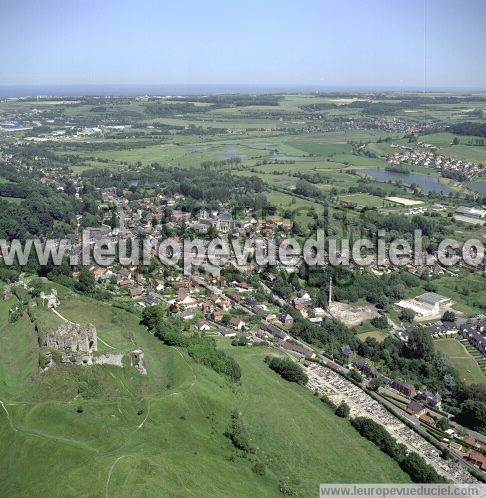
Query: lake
x=426, y=183
x=477, y=187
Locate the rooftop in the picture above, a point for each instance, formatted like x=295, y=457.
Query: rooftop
x=431, y=298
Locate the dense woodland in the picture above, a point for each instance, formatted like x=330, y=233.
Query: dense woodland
x=470, y=128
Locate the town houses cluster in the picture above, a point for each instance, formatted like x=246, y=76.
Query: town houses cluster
x=424, y=156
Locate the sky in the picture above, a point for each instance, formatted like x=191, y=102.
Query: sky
x=367, y=43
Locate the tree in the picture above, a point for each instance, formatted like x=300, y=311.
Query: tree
x=375, y=384
x=407, y=315
x=473, y=414
x=383, y=302
x=380, y=322
x=420, y=345
x=114, y=219
x=446, y=454
x=449, y=316
x=443, y=424
x=342, y=410
x=151, y=316
x=288, y=369
x=36, y=286
x=420, y=471
x=86, y=281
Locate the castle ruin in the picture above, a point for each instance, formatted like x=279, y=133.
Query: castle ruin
x=70, y=337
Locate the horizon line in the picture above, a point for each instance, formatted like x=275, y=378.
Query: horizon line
x=138, y=89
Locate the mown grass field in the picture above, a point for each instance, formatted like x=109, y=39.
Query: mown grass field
x=462, y=360
x=379, y=335
x=163, y=434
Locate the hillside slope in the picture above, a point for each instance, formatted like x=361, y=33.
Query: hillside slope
x=162, y=434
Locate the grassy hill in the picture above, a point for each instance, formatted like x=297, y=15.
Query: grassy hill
x=162, y=434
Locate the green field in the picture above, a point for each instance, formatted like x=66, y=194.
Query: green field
x=462, y=360
x=468, y=291
x=13, y=200
x=366, y=200
x=163, y=434
x=379, y=335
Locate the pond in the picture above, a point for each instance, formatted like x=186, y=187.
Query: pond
x=229, y=152
x=427, y=183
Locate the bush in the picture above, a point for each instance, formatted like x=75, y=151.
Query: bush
x=443, y=424
x=259, y=468
x=288, y=369
x=413, y=464
x=203, y=350
x=407, y=315
x=419, y=470
x=375, y=433
x=449, y=316
x=171, y=337
x=43, y=361
x=342, y=410
x=355, y=375
x=327, y=401
x=380, y=322
x=238, y=435
x=285, y=488
x=239, y=341
x=375, y=384
x=14, y=314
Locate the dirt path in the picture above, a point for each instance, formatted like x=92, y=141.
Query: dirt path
x=111, y=472
x=8, y=416
x=60, y=316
